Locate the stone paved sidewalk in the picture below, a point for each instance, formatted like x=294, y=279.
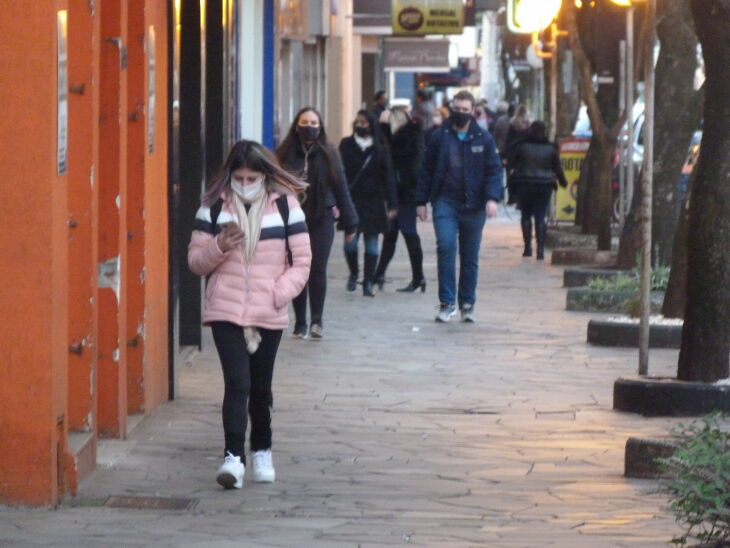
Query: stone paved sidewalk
x=395, y=430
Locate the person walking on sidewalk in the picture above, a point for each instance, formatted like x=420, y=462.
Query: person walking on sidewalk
x=370, y=178
x=516, y=132
x=306, y=153
x=535, y=164
x=250, y=239
x=461, y=177
x=406, y=149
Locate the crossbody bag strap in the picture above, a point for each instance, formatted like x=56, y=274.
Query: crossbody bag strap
x=360, y=172
x=283, y=204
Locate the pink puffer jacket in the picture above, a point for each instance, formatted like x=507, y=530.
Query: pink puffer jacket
x=255, y=293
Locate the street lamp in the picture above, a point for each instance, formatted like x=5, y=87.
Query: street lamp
x=532, y=17
x=647, y=165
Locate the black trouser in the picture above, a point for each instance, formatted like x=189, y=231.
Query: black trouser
x=247, y=380
x=321, y=236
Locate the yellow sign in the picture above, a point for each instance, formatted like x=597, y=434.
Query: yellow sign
x=419, y=17
x=528, y=16
x=572, y=155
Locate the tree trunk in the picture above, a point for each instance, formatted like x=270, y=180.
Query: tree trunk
x=678, y=112
x=629, y=245
x=706, y=333
x=675, y=297
x=604, y=201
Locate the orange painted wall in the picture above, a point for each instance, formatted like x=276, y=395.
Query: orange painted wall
x=83, y=212
x=112, y=347
x=136, y=154
x=156, y=229
x=33, y=234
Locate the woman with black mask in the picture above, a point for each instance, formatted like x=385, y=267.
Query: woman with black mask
x=534, y=165
x=306, y=153
x=370, y=177
x=406, y=148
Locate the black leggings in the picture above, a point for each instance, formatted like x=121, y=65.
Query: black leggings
x=321, y=236
x=246, y=377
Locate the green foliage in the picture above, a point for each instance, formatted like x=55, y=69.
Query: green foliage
x=631, y=282
x=699, y=484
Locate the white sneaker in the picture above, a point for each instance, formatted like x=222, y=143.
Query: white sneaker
x=230, y=474
x=263, y=467
x=467, y=313
x=446, y=312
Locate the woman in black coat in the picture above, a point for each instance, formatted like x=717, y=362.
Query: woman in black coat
x=308, y=154
x=370, y=177
x=535, y=164
x=406, y=149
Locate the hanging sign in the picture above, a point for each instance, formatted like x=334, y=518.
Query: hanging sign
x=572, y=155
x=62, y=94
x=420, y=17
x=416, y=55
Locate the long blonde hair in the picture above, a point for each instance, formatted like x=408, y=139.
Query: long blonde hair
x=521, y=120
x=398, y=118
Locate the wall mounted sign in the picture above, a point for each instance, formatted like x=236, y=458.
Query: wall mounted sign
x=62, y=123
x=420, y=17
x=415, y=55
x=151, y=75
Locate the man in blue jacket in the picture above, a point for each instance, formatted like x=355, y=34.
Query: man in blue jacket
x=462, y=178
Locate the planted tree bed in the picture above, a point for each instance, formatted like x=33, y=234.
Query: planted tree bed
x=669, y=397
x=583, y=299
x=580, y=276
x=624, y=331
x=582, y=256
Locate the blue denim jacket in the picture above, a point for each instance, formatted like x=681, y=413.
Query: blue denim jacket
x=482, y=168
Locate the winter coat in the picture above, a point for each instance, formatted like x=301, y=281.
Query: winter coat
x=407, y=147
x=323, y=193
x=255, y=293
x=536, y=162
x=482, y=167
x=374, y=192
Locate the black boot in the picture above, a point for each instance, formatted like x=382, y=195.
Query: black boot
x=540, y=231
x=351, y=257
x=367, y=275
x=415, y=254
x=386, y=254
x=527, y=236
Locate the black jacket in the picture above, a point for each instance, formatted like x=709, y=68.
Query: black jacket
x=374, y=191
x=533, y=161
x=482, y=167
x=407, y=147
x=323, y=193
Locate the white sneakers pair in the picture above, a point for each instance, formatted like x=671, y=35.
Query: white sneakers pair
x=230, y=474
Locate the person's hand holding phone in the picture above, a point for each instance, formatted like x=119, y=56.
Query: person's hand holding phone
x=230, y=237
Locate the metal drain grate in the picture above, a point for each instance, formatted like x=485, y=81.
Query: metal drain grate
x=150, y=503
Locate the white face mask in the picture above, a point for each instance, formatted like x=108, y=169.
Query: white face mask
x=247, y=192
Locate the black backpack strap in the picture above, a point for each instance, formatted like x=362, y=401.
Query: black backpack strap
x=283, y=204
x=215, y=211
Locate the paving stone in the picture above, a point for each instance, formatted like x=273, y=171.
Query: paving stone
x=396, y=430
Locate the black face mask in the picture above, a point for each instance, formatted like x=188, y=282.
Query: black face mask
x=460, y=118
x=308, y=133
x=362, y=131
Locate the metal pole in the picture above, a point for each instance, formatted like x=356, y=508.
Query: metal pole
x=646, y=188
x=554, y=83
x=630, y=105
x=623, y=160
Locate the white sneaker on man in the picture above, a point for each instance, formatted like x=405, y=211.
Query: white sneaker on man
x=446, y=312
x=230, y=474
x=467, y=313
x=263, y=467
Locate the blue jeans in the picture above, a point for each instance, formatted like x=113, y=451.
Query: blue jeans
x=371, y=243
x=456, y=225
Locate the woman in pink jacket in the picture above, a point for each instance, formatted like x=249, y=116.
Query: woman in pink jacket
x=256, y=262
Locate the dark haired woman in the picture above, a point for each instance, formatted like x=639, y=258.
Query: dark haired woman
x=406, y=148
x=535, y=164
x=369, y=173
x=256, y=263
x=308, y=154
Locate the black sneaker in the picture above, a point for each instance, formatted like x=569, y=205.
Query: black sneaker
x=300, y=331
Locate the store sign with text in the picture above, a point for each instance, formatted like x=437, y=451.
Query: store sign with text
x=421, y=17
x=416, y=55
